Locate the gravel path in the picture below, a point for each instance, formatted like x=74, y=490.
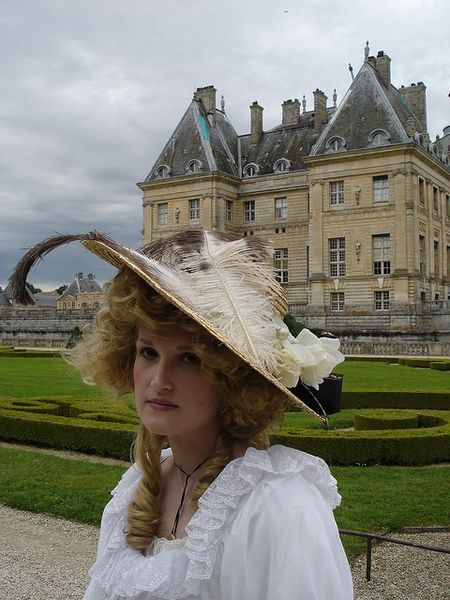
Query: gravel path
x=46, y=558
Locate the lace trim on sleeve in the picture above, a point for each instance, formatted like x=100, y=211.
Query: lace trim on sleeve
x=173, y=574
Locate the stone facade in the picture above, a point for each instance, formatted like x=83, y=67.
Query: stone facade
x=40, y=327
x=354, y=198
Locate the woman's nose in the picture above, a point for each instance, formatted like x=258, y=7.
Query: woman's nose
x=161, y=379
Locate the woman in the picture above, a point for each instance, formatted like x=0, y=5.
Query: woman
x=192, y=324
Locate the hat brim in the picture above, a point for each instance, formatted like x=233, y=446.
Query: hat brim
x=119, y=257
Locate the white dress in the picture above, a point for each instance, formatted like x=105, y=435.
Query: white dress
x=264, y=530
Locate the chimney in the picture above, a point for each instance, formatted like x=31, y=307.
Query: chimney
x=207, y=96
x=256, y=122
x=415, y=97
x=320, y=109
x=290, y=112
x=383, y=67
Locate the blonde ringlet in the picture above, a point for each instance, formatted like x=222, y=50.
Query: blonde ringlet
x=248, y=406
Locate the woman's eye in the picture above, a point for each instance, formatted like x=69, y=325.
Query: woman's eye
x=192, y=359
x=148, y=352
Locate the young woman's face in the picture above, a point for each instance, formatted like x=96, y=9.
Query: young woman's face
x=172, y=395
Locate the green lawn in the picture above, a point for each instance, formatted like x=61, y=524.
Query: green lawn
x=366, y=375
x=375, y=499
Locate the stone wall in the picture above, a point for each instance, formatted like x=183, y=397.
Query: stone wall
x=395, y=334
x=40, y=327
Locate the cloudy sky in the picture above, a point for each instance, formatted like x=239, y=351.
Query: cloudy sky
x=92, y=89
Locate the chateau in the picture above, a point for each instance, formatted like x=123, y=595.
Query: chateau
x=354, y=197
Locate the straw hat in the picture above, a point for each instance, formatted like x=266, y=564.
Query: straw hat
x=226, y=284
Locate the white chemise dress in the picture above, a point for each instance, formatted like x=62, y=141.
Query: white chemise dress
x=264, y=530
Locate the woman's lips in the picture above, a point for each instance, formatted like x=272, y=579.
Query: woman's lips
x=161, y=405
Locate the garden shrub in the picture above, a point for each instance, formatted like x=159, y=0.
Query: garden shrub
x=388, y=399
x=107, y=439
x=385, y=447
x=384, y=419
x=440, y=365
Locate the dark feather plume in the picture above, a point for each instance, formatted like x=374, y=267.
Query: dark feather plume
x=19, y=277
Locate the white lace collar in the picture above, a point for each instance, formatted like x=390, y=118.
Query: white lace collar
x=177, y=572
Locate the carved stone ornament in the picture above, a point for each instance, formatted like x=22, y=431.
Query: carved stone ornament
x=357, y=191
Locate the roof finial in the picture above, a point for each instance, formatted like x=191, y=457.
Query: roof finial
x=366, y=52
x=304, y=103
x=222, y=104
x=334, y=98
x=350, y=68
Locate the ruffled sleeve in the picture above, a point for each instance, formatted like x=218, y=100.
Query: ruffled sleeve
x=284, y=542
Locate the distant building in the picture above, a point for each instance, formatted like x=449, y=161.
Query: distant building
x=82, y=293
x=44, y=299
x=355, y=198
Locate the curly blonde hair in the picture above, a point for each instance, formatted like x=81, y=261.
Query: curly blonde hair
x=247, y=405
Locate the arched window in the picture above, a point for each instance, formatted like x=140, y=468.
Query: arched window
x=379, y=137
x=162, y=172
x=336, y=144
x=194, y=166
x=281, y=165
x=251, y=170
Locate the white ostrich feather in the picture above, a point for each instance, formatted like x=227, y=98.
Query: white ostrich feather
x=221, y=282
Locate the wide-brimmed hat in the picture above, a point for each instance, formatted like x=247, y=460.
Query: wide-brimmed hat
x=226, y=284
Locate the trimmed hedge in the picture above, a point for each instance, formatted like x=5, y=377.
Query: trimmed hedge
x=386, y=447
x=26, y=354
x=421, y=363
x=387, y=399
x=386, y=419
x=107, y=439
x=440, y=365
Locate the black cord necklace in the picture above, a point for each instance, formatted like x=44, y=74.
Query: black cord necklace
x=181, y=506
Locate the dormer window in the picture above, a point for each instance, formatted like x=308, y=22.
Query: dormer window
x=251, y=170
x=282, y=165
x=336, y=144
x=162, y=172
x=194, y=166
x=379, y=137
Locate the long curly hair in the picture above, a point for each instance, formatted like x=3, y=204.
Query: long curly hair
x=248, y=406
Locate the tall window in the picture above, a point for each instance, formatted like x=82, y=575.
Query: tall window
x=337, y=257
x=437, y=259
x=381, y=300
x=249, y=211
x=163, y=213
x=380, y=188
x=281, y=265
x=229, y=211
x=336, y=192
x=337, y=300
x=421, y=192
x=422, y=256
x=194, y=209
x=447, y=205
x=281, y=208
x=435, y=199
x=381, y=250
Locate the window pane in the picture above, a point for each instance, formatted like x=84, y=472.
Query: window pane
x=380, y=188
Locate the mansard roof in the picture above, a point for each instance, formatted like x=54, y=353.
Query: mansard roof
x=292, y=142
x=209, y=139
x=81, y=285
x=369, y=105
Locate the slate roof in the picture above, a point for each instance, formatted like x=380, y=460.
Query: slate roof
x=367, y=106
x=292, y=142
x=81, y=285
x=196, y=138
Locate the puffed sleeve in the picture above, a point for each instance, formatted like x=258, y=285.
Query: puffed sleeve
x=284, y=544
